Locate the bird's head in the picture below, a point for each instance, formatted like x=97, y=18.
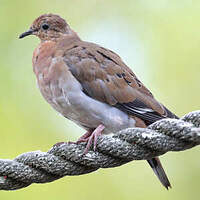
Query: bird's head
x=48, y=27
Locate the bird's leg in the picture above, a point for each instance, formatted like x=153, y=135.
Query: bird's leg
x=90, y=137
x=84, y=138
x=93, y=138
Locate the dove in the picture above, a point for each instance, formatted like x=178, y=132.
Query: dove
x=91, y=85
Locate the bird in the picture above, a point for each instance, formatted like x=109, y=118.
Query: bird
x=91, y=85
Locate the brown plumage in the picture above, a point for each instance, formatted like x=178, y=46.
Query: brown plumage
x=91, y=85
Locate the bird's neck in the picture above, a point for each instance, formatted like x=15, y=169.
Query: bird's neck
x=68, y=41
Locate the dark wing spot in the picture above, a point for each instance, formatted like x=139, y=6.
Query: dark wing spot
x=107, y=57
x=138, y=82
x=124, y=76
x=128, y=82
x=119, y=75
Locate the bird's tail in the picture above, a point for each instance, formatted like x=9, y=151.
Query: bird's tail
x=159, y=171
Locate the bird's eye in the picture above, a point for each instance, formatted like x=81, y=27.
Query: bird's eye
x=45, y=26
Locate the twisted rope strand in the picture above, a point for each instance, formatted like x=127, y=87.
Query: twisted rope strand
x=112, y=150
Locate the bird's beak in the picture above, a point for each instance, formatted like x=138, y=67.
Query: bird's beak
x=29, y=32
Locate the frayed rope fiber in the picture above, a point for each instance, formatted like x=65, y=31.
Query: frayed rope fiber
x=113, y=150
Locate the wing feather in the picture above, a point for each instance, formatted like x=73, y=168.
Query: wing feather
x=105, y=77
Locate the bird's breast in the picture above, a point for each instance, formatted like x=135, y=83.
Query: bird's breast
x=42, y=56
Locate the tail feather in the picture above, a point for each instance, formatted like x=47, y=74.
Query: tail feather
x=159, y=171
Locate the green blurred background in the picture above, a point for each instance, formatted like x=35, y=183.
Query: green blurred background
x=159, y=40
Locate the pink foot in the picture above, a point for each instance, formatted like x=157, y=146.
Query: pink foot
x=83, y=138
x=59, y=143
x=91, y=137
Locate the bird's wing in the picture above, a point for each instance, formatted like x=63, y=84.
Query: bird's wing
x=105, y=77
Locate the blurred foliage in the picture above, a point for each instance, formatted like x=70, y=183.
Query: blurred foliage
x=158, y=39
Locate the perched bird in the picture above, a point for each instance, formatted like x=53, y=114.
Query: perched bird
x=91, y=85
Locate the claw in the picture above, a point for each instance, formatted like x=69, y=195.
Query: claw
x=90, y=137
x=93, y=138
x=84, y=138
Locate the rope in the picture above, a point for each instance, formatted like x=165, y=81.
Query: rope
x=66, y=159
